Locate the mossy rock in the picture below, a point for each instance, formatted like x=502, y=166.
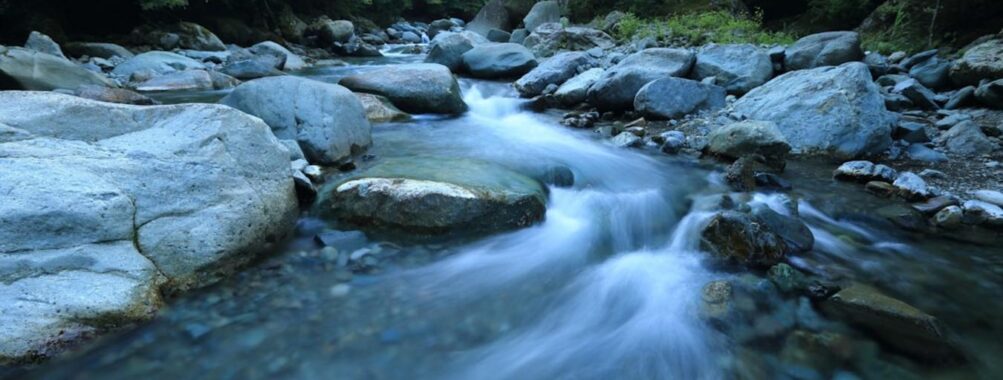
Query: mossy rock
x=433, y=196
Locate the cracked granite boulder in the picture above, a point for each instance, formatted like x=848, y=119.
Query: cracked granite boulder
x=106, y=207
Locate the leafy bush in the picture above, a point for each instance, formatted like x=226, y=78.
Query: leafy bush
x=583, y=10
x=701, y=28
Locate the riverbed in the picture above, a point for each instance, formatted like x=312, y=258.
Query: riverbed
x=609, y=285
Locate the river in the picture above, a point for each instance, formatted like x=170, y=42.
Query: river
x=607, y=287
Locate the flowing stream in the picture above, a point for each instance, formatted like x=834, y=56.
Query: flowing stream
x=607, y=287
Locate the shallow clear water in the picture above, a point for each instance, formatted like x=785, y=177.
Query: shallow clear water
x=608, y=286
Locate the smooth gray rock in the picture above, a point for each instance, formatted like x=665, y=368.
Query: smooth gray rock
x=896, y=323
x=96, y=49
x=214, y=57
x=447, y=49
x=991, y=196
x=890, y=80
x=991, y=94
x=864, y=171
x=497, y=35
x=113, y=95
x=155, y=63
x=897, y=102
x=950, y=217
x=439, y=26
x=556, y=70
x=25, y=69
x=498, y=60
x=749, y=137
x=626, y=140
x=961, y=98
x=912, y=187
x=788, y=225
x=327, y=120
x=877, y=63
x=191, y=80
x=379, y=109
x=518, y=36
x=673, y=98
x=543, y=12
x=292, y=61
x=126, y=203
x=552, y=38
x=492, y=15
x=917, y=58
x=737, y=68
x=410, y=37
x=332, y=31
x=911, y=132
x=823, y=49
x=983, y=61
x=985, y=213
x=43, y=44
x=920, y=96
x=355, y=47
x=431, y=196
x=832, y=110
x=251, y=69
x=414, y=88
x=576, y=89
x=619, y=85
x=966, y=139
x=933, y=73
x=197, y=37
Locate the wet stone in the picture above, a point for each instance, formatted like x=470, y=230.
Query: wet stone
x=949, y=217
x=786, y=278
x=864, y=171
x=897, y=323
x=933, y=205
x=912, y=187
x=717, y=303
x=904, y=217
x=880, y=188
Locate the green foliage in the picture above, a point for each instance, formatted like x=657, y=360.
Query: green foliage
x=583, y=10
x=701, y=28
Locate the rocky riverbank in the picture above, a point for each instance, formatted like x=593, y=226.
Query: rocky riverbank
x=139, y=201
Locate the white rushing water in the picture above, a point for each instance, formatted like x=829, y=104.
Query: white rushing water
x=630, y=308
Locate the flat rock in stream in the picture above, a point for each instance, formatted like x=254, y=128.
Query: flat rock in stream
x=153, y=63
x=106, y=206
x=897, y=323
x=427, y=196
x=414, y=88
x=498, y=60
